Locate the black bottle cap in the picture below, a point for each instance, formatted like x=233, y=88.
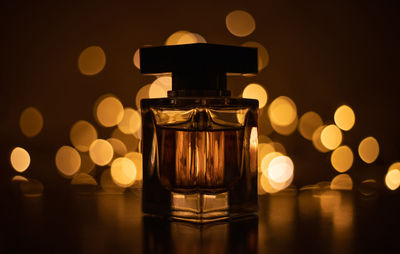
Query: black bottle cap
x=198, y=69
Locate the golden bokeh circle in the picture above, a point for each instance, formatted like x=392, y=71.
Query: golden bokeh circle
x=240, y=23
x=143, y=93
x=31, y=122
x=68, y=161
x=331, y=137
x=91, y=60
x=392, y=179
x=118, y=146
x=256, y=91
x=282, y=111
x=20, y=159
x=316, y=140
x=109, y=111
x=101, y=152
x=344, y=117
x=82, y=134
x=308, y=123
x=342, y=159
x=280, y=169
x=137, y=159
x=123, y=172
x=368, y=149
x=174, y=38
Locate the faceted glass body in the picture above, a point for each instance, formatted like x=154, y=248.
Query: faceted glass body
x=199, y=157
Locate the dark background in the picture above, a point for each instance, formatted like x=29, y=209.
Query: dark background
x=322, y=54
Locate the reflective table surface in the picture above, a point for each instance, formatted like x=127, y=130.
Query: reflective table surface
x=310, y=220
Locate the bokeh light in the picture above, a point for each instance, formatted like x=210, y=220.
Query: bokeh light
x=262, y=54
x=82, y=134
x=92, y=60
x=344, y=117
x=308, y=123
x=143, y=93
x=123, y=172
x=256, y=91
x=282, y=111
x=189, y=38
x=240, y=23
x=131, y=122
x=279, y=147
x=160, y=87
x=280, y=169
x=109, y=111
x=316, y=139
x=101, y=152
x=395, y=165
x=368, y=149
x=20, y=159
x=68, y=161
x=118, y=146
x=31, y=122
x=331, y=137
x=174, y=38
x=341, y=182
x=266, y=161
x=136, y=59
x=265, y=185
x=342, y=158
x=392, y=179
x=263, y=150
x=19, y=178
x=137, y=159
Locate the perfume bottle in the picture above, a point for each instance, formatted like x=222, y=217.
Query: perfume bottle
x=199, y=145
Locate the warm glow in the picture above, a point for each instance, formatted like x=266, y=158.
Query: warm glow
x=266, y=161
x=101, y=152
x=240, y=23
x=280, y=169
x=330, y=202
x=282, y=111
x=262, y=54
x=31, y=122
x=316, y=139
x=256, y=91
x=83, y=179
x=264, y=139
x=279, y=147
x=19, y=178
x=31, y=188
x=395, y=165
x=331, y=137
x=368, y=149
x=342, y=159
x=265, y=185
x=20, y=159
x=160, y=87
x=123, y=172
x=136, y=59
x=342, y=182
x=131, y=122
x=118, y=146
x=143, y=93
x=308, y=123
x=392, y=179
x=109, y=111
x=68, y=161
x=82, y=134
x=344, y=117
x=137, y=159
x=92, y=60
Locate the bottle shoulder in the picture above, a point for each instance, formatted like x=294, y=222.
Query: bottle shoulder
x=207, y=102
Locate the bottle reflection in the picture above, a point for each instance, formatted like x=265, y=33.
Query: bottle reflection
x=237, y=236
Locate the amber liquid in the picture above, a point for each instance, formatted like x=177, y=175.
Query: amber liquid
x=199, y=161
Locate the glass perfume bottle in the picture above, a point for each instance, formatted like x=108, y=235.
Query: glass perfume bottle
x=199, y=145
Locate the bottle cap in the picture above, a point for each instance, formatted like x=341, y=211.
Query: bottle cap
x=198, y=69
